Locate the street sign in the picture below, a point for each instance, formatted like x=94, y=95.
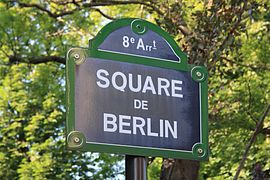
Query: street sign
x=133, y=92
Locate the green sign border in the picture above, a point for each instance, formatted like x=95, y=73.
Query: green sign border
x=76, y=56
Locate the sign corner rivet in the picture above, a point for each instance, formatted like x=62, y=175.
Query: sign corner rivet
x=76, y=56
x=200, y=150
x=76, y=139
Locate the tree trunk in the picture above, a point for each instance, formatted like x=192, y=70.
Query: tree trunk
x=176, y=169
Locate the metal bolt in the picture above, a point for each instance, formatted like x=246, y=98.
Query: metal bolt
x=200, y=150
x=199, y=74
x=76, y=139
x=76, y=56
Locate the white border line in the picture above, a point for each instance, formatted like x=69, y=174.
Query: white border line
x=136, y=146
x=115, y=52
x=200, y=91
x=180, y=60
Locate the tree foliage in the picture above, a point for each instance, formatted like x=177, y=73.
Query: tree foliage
x=230, y=37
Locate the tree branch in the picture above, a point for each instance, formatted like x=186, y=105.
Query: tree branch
x=254, y=68
x=103, y=14
x=86, y=5
x=37, y=6
x=265, y=131
x=249, y=104
x=251, y=141
x=230, y=34
x=36, y=60
x=113, y=3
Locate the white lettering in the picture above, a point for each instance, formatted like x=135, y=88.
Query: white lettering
x=106, y=81
x=111, y=122
x=144, y=105
x=164, y=87
x=125, y=41
x=149, y=131
x=176, y=88
x=161, y=129
x=140, y=104
x=138, y=126
x=124, y=81
x=122, y=124
x=172, y=130
x=139, y=83
x=148, y=85
x=137, y=104
x=140, y=44
x=135, y=83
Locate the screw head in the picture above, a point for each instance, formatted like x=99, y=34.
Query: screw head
x=76, y=139
x=199, y=74
x=76, y=56
x=200, y=150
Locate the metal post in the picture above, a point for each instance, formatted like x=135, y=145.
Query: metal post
x=135, y=168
